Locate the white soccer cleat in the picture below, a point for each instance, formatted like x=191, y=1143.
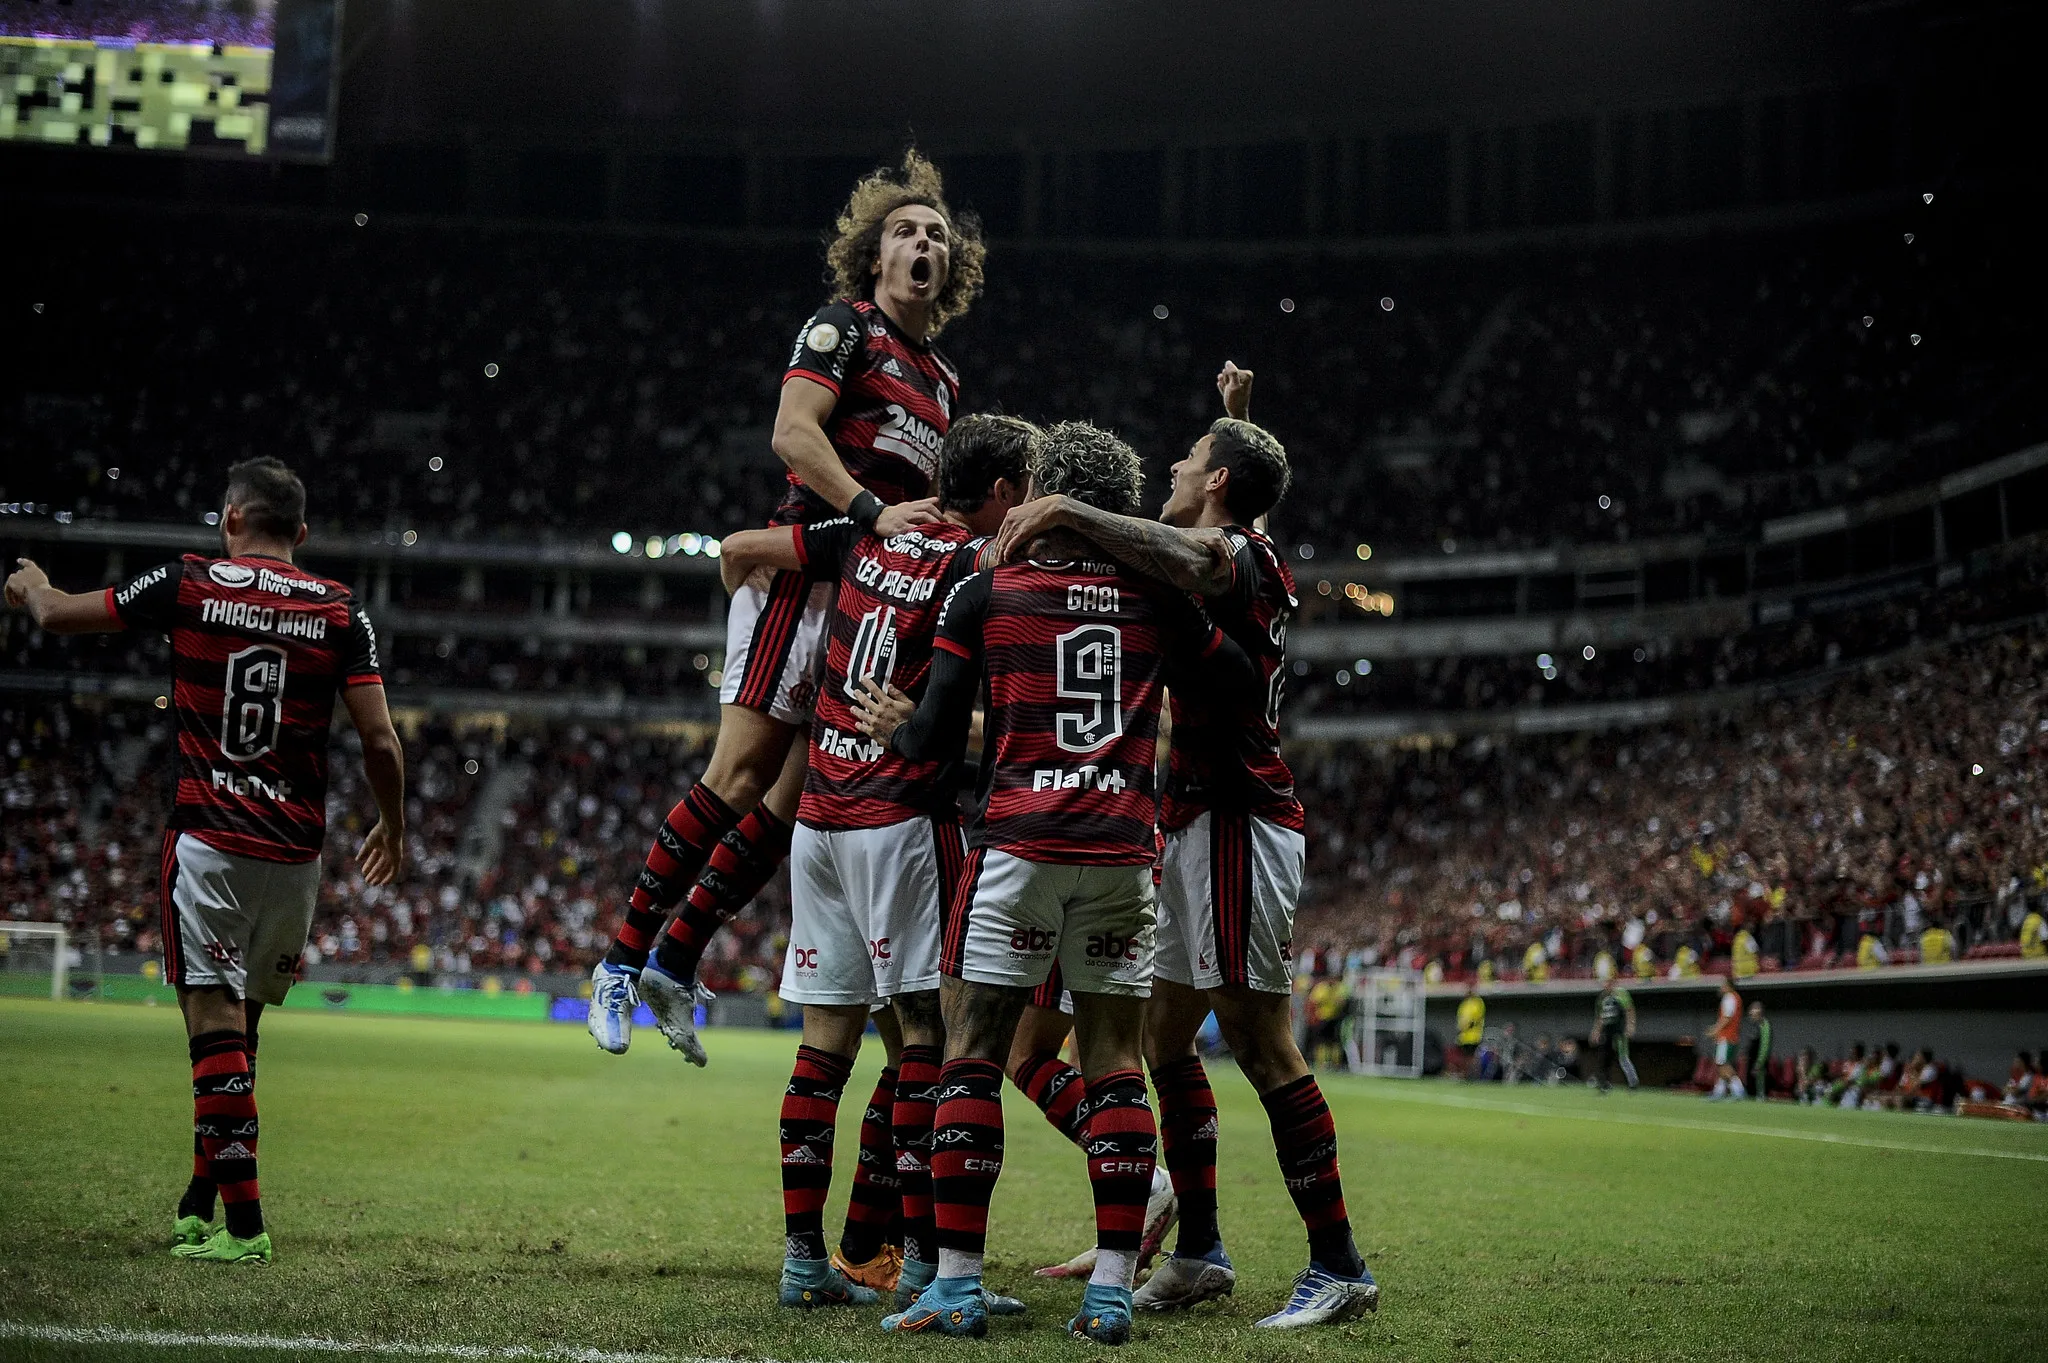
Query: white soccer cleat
x=1080, y=1266
x=1180, y=1283
x=1162, y=1209
x=612, y=999
x=674, y=1005
x=1323, y=1298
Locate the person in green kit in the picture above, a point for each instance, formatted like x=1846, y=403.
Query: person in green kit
x=1614, y=1022
x=1759, y=1049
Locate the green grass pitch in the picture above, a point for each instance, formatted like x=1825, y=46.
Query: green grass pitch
x=503, y=1184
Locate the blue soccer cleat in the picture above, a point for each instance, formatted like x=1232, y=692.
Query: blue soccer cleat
x=950, y=1306
x=915, y=1278
x=1105, y=1315
x=809, y=1283
x=612, y=998
x=1320, y=1297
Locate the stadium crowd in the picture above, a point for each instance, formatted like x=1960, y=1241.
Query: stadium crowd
x=489, y=383
x=245, y=23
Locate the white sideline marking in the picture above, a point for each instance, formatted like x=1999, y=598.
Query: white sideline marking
x=1623, y=1119
x=171, y=1339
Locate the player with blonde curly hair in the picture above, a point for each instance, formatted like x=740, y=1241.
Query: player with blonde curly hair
x=866, y=401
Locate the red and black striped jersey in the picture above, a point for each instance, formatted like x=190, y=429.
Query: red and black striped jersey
x=890, y=594
x=1074, y=656
x=1228, y=757
x=259, y=650
x=896, y=399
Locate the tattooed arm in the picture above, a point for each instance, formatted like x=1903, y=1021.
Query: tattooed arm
x=1193, y=560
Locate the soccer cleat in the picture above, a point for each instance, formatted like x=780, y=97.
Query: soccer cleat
x=223, y=1248
x=1180, y=1283
x=191, y=1230
x=1162, y=1209
x=880, y=1273
x=915, y=1278
x=1080, y=1266
x=612, y=997
x=1000, y=1305
x=1322, y=1298
x=950, y=1306
x=808, y=1283
x=674, y=1005
x=1105, y=1315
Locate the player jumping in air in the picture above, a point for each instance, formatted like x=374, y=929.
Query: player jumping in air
x=1232, y=867
x=260, y=649
x=1075, y=653
x=876, y=856
x=1614, y=1024
x=866, y=399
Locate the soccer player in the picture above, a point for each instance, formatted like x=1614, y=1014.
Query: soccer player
x=866, y=399
x=1757, y=1049
x=261, y=648
x=1614, y=1025
x=1232, y=867
x=1075, y=653
x=876, y=854
x=1727, y=1033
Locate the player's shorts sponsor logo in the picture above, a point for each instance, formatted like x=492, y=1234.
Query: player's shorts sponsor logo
x=804, y=958
x=1106, y=946
x=910, y=437
x=823, y=338
x=879, y=948
x=224, y=954
x=1089, y=777
x=231, y=574
x=140, y=584
x=1031, y=941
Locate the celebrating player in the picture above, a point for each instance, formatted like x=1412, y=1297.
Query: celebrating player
x=1075, y=654
x=876, y=854
x=1232, y=867
x=1614, y=1023
x=260, y=650
x=865, y=402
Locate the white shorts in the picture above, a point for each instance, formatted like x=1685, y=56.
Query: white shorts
x=235, y=921
x=1022, y=917
x=1227, y=888
x=775, y=646
x=865, y=907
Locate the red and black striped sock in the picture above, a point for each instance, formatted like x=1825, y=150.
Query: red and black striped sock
x=1058, y=1089
x=743, y=861
x=917, y=1102
x=681, y=845
x=877, y=1197
x=224, y=1120
x=810, y=1112
x=1187, y=1130
x=1122, y=1143
x=967, y=1158
x=1305, y=1138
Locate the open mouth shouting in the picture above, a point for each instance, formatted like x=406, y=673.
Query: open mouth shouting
x=921, y=272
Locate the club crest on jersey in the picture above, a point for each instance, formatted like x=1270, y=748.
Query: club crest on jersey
x=231, y=574
x=1089, y=777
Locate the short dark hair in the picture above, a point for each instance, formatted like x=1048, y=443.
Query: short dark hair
x=272, y=498
x=979, y=451
x=1257, y=464
x=1090, y=465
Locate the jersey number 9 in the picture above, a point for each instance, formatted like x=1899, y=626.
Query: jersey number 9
x=1091, y=668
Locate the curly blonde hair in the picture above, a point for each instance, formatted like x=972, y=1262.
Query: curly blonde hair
x=851, y=256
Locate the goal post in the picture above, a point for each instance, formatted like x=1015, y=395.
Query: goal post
x=1387, y=1024
x=24, y=947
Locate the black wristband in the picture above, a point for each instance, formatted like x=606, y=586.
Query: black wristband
x=864, y=510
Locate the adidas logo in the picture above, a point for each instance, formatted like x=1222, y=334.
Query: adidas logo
x=234, y=1150
x=890, y=367
x=1206, y=1131
x=803, y=1154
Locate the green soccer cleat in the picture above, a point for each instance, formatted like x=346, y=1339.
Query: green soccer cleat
x=191, y=1230
x=223, y=1248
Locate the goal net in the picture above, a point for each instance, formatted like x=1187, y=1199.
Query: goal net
x=35, y=959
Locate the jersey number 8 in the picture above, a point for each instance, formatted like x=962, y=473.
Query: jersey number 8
x=1091, y=668
x=253, y=711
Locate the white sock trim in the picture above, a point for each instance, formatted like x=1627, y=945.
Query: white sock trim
x=1114, y=1268
x=958, y=1263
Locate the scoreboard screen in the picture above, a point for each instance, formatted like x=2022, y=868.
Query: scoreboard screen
x=240, y=78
